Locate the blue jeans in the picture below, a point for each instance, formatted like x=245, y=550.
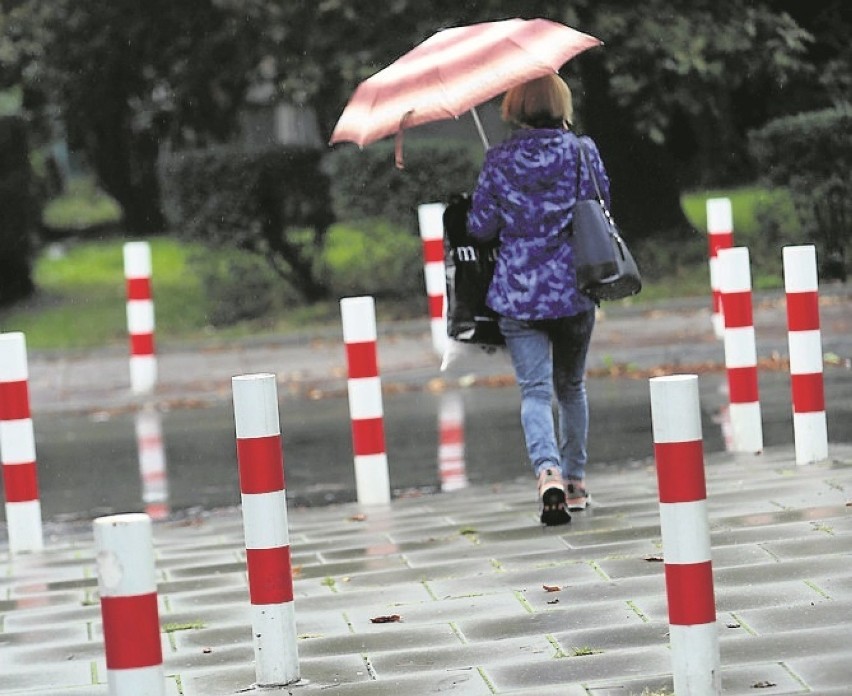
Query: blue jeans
x=549, y=355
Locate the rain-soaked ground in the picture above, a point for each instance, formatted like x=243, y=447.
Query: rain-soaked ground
x=171, y=461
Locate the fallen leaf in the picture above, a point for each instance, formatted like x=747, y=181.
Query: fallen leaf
x=358, y=517
x=552, y=588
x=555, y=600
x=207, y=651
x=654, y=559
x=763, y=685
x=393, y=618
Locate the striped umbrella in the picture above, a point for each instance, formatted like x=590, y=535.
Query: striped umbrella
x=454, y=71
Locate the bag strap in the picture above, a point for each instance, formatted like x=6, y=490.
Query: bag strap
x=585, y=157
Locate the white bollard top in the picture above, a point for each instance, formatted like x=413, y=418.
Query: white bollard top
x=675, y=409
x=13, y=357
x=720, y=219
x=256, y=405
x=430, y=216
x=359, y=319
x=125, y=555
x=800, y=268
x=137, y=260
x=734, y=270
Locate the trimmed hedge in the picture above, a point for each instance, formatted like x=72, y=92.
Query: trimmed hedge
x=18, y=212
x=811, y=155
x=367, y=184
x=273, y=201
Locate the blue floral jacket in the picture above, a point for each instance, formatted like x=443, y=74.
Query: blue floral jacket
x=525, y=196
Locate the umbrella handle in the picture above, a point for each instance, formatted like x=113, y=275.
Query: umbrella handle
x=475, y=114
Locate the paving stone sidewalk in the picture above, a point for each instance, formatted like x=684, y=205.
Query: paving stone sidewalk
x=466, y=572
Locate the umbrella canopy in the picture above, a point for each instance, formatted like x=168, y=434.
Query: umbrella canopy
x=454, y=71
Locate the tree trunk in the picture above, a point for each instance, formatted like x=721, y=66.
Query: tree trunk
x=645, y=187
x=126, y=165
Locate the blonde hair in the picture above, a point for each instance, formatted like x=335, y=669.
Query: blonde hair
x=544, y=102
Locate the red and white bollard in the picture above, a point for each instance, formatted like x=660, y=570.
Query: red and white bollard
x=451, y=462
x=431, y=219
x=264, y=504
x=679, y=453
x=127, y=585
x=140, y=317
x=740, y=350
x=152, y=462
x=372, y=482
x=17, y=447
x=720, y=235
x=801, y=284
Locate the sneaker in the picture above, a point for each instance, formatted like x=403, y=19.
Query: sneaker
x=551, y=493
x=577, y=497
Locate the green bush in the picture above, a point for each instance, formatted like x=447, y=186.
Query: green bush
x=811, y=155
x=372, y=257
x=366, y=184
x=237, y=286
x=18, y=212
x=272, y=201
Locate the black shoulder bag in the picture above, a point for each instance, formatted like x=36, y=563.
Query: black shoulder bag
x=605, y=267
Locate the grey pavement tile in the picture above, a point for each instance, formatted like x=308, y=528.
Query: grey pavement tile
x=450, y=569
x=397, y=594
x=819, y=612
x=187, y=601
x=612, y=537
x=738, y=646
x=39, y=617
x=432, y=546
x=229, y=581
x=578, y=669
x=554, y=620
x=824, y=673
x=209, y=657
x=440, y=611
x=54, y=599
x=375, y=565
x=779, y=571
x=470, y=546
x=422, y=637
x=521, y=580
x=62, y=633
x=184, y=571
x=819, y=544
x=535, y=649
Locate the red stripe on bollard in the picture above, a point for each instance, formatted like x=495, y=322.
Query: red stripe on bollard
x=680, y=467
x=131, y=631
x=802, y=311
x=368, y=436
x=808, y=392
x=689, y=587
x=719, y=240
x=270, y=575
x=138, y=288
x=433, y=250
x=737, y=309
x=261, y=464
x=436, y=306
x=20, y=482
x=14, y=400
x=362, y=359
x=742, y=384
x=142, y=344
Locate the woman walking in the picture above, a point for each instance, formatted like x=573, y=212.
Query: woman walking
x=525, y=197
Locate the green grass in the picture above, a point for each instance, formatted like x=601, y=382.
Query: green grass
x=81, y=296
x=82, y=206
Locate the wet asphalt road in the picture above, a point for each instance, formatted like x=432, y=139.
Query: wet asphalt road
x=89, y=464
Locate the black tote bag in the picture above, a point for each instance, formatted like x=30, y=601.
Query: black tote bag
x=469, y=269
